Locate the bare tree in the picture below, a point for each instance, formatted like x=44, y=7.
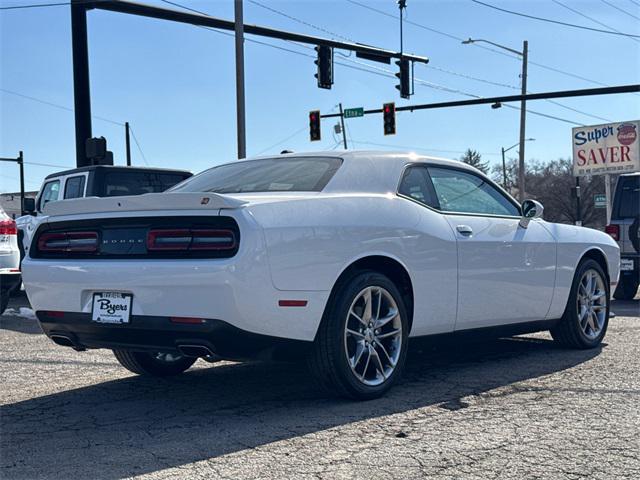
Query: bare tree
x=553, y=185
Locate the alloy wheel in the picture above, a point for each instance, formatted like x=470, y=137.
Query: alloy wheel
x=373, y=336
x=591, y=303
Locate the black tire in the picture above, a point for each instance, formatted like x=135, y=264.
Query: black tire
x=569, y=332
x=144, y=363
x=328, y=359
x=627, y=289
x=4, y=301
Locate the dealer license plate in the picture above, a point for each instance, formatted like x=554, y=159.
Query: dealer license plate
x=626, y=264
x=111, y=307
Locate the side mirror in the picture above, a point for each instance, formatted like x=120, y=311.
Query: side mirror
x=29, y=206
x=530, y=210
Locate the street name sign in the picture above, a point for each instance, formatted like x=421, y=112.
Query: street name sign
x=353, y=112
x=606, y=149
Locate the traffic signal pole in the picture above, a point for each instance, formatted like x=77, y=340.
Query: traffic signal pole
x=586, y=92
x=20, y=162
x=344, y=132
x=81, y=91
x=240, y=105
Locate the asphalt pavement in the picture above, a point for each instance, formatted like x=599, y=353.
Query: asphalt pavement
x=509, y=408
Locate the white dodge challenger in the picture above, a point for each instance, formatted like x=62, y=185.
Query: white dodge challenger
x=340, y=257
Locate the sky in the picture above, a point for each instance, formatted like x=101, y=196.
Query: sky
x=175, y=83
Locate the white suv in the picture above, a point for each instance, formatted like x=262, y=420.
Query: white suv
x=9, y=259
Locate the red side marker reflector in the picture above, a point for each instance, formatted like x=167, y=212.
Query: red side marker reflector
x=292, y=303
x=14, y=270
x=54, y=314
x=188, y=320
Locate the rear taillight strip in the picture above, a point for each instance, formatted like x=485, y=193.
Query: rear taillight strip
x=85, y=242
x=190, y=239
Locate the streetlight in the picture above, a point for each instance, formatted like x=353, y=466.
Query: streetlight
x=504, y=164
x=524, y=54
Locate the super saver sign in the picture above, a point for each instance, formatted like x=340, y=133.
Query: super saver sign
x=610, y=148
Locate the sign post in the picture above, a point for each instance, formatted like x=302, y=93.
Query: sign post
x=606, y=149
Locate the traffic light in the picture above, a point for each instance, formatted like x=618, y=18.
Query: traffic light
x=325, y=66
x=314, y=125
x=405, y=78
x=389, y=116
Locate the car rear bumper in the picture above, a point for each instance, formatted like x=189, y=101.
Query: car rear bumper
x=161, y=334
x=238, y=290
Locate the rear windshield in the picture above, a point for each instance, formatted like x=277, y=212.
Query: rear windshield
x=305, y=174
x=628, y=198
x=117, y=184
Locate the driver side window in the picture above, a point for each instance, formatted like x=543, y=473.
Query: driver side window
x=462, y=192
x=50, y=193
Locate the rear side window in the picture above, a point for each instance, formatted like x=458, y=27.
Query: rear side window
x=628, y=198
x=416, y=185
x=50, y=193
x=305, y=174
x=117, y=184
x=74, y=187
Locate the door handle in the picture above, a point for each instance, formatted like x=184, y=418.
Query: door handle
x=464, y=230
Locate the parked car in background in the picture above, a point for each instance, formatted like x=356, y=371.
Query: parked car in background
x=95, y=181
x=339, y=256
x=624, y=226
x=9, y=259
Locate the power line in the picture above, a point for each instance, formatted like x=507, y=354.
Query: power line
x=297, y=132
x=47, y=165
x=621, y=9
x=39, y=5
x=578, y=12
x=476, y=45
x=35, y=5
x=557, y=22
x=56, y=105
x=303, y=22
x=429, y=84
x=135, y=139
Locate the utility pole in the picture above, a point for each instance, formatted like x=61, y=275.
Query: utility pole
x=578, y=204
x=127, y=143
x=240, y=109
x=81, y=92
x=20, y=162
x=504, y=171
x=344, y=132
x=523, y=117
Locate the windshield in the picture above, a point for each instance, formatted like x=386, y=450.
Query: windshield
x=302, y=174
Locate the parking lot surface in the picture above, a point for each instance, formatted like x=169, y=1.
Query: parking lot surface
x=508, y=408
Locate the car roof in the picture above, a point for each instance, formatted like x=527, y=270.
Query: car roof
x=372, y=171
x=115, y=168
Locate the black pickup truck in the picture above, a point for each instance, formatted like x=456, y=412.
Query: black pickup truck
x=95, y=181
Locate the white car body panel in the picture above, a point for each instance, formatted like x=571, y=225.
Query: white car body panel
x=500, y=257
x=295, y=246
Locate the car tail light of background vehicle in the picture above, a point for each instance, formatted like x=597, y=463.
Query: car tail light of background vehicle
x=8, y=227
x=614, y=231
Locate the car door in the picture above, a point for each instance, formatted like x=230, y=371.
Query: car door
x=506, y=272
